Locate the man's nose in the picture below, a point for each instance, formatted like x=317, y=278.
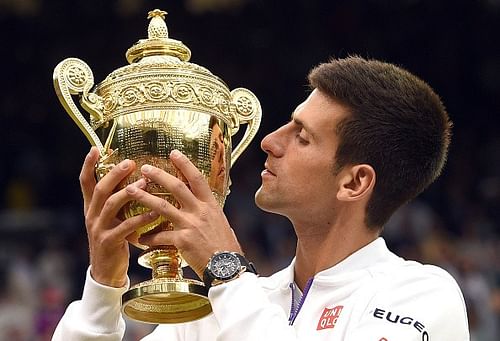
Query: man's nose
x=273, y=144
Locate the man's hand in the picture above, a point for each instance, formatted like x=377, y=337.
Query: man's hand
x=109, y=249
x=200, y=226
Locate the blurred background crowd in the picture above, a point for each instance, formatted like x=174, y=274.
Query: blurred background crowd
x=268, y=47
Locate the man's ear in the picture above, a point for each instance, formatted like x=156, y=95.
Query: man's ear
x=356, y=182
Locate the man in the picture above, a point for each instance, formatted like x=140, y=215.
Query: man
x=369, y=138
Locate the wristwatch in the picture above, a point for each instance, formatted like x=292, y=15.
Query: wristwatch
x=225, y=266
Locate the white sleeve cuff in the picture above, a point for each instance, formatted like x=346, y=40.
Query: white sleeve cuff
x=244, y=312
x=101, y=305
x=228, y=298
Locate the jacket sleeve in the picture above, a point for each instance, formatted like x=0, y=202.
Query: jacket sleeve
x=413, y=309
x=97, y=316
x=244, y=312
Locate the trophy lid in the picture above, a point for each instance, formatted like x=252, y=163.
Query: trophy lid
x=160, y=76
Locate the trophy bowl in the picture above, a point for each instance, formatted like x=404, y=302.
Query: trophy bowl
x=143, y=111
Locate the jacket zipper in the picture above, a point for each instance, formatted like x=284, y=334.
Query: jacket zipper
x=294, y=312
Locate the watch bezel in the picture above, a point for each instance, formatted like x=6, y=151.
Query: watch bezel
x=212, y=277
x=216, y=270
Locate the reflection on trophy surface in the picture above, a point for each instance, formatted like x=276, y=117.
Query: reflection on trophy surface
x=218, y=166
x=142, y=112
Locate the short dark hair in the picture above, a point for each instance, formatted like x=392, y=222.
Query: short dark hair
x=395, y=122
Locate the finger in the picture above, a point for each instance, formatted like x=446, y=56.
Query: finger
x=163, y=207
x=197, y=182
x=161, y=238
x=107, y=185
x=87, y=177
x=115, y=203
x=171, y=183
x=130, y=225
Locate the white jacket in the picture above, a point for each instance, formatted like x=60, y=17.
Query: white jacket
x=371, y=295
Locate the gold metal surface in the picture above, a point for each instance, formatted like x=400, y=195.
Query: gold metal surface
x=142, y=111
x=163, y=300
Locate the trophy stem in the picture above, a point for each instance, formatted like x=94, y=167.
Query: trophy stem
x=168, y=297
x=164, y=262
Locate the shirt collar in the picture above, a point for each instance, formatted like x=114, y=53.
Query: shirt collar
x=372, y=254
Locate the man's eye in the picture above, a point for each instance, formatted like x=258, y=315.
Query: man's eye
x=301, y=139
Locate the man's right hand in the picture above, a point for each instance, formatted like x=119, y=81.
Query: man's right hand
x=109, y=249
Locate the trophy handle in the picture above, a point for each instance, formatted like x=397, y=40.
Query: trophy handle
x=72, y=76
x=248, y=110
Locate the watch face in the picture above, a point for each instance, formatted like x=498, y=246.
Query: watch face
x=225, y=266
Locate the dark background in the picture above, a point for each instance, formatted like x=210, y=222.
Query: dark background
x=268, y=47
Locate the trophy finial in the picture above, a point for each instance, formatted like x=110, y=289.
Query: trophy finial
x=158, y=42
x=157, y=13
x=157, y=28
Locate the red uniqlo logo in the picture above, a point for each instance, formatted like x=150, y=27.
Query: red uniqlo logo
x=329, y=317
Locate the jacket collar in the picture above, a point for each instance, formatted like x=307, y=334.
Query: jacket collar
x=364, y=259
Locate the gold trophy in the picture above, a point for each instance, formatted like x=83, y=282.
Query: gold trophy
x=142, y=111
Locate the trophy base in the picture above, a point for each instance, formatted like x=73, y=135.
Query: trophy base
x=166, y=300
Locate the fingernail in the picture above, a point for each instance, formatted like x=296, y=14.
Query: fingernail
x=141, y=183
x=124, y=164
x=131, y=189
x=175, y=154
x=146, y=168
x=153, y=215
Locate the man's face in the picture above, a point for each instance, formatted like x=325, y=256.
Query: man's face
x=298, y=180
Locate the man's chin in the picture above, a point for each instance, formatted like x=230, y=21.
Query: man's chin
x=263, y=201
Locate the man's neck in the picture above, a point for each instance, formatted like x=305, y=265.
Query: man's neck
x=317, y=252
